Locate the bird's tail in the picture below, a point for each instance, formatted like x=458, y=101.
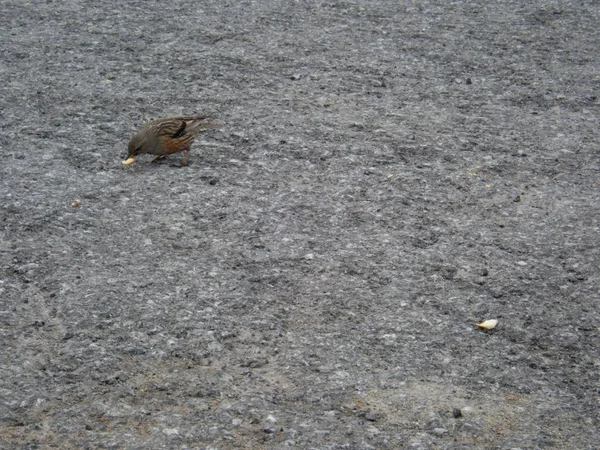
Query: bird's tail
x=201, y=123
x=208, y=125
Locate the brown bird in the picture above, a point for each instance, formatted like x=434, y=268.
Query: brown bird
x=164, y=137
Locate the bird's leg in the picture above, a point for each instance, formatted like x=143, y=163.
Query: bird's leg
x=158, y=158
x=186, y=155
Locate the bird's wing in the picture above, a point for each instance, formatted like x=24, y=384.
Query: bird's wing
x=182, y=127
x=180, y=130
x=198, y=123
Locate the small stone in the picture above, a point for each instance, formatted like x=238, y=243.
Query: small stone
x=497, y=293
x=440, y=431
x=373, y=430
x=26, y=268
x=567, y=340
x=68, y=335
x=389, y=339
x=372, y=416
x=309, y=256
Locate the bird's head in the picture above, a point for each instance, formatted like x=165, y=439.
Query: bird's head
x=136, y=145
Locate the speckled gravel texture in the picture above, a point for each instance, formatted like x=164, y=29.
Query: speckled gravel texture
x=390, y=174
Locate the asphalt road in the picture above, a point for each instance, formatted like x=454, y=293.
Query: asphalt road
x=390, y=174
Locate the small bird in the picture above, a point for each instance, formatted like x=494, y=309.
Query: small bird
x=164, y=137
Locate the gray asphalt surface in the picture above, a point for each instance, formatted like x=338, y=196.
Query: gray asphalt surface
x=390, y=174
